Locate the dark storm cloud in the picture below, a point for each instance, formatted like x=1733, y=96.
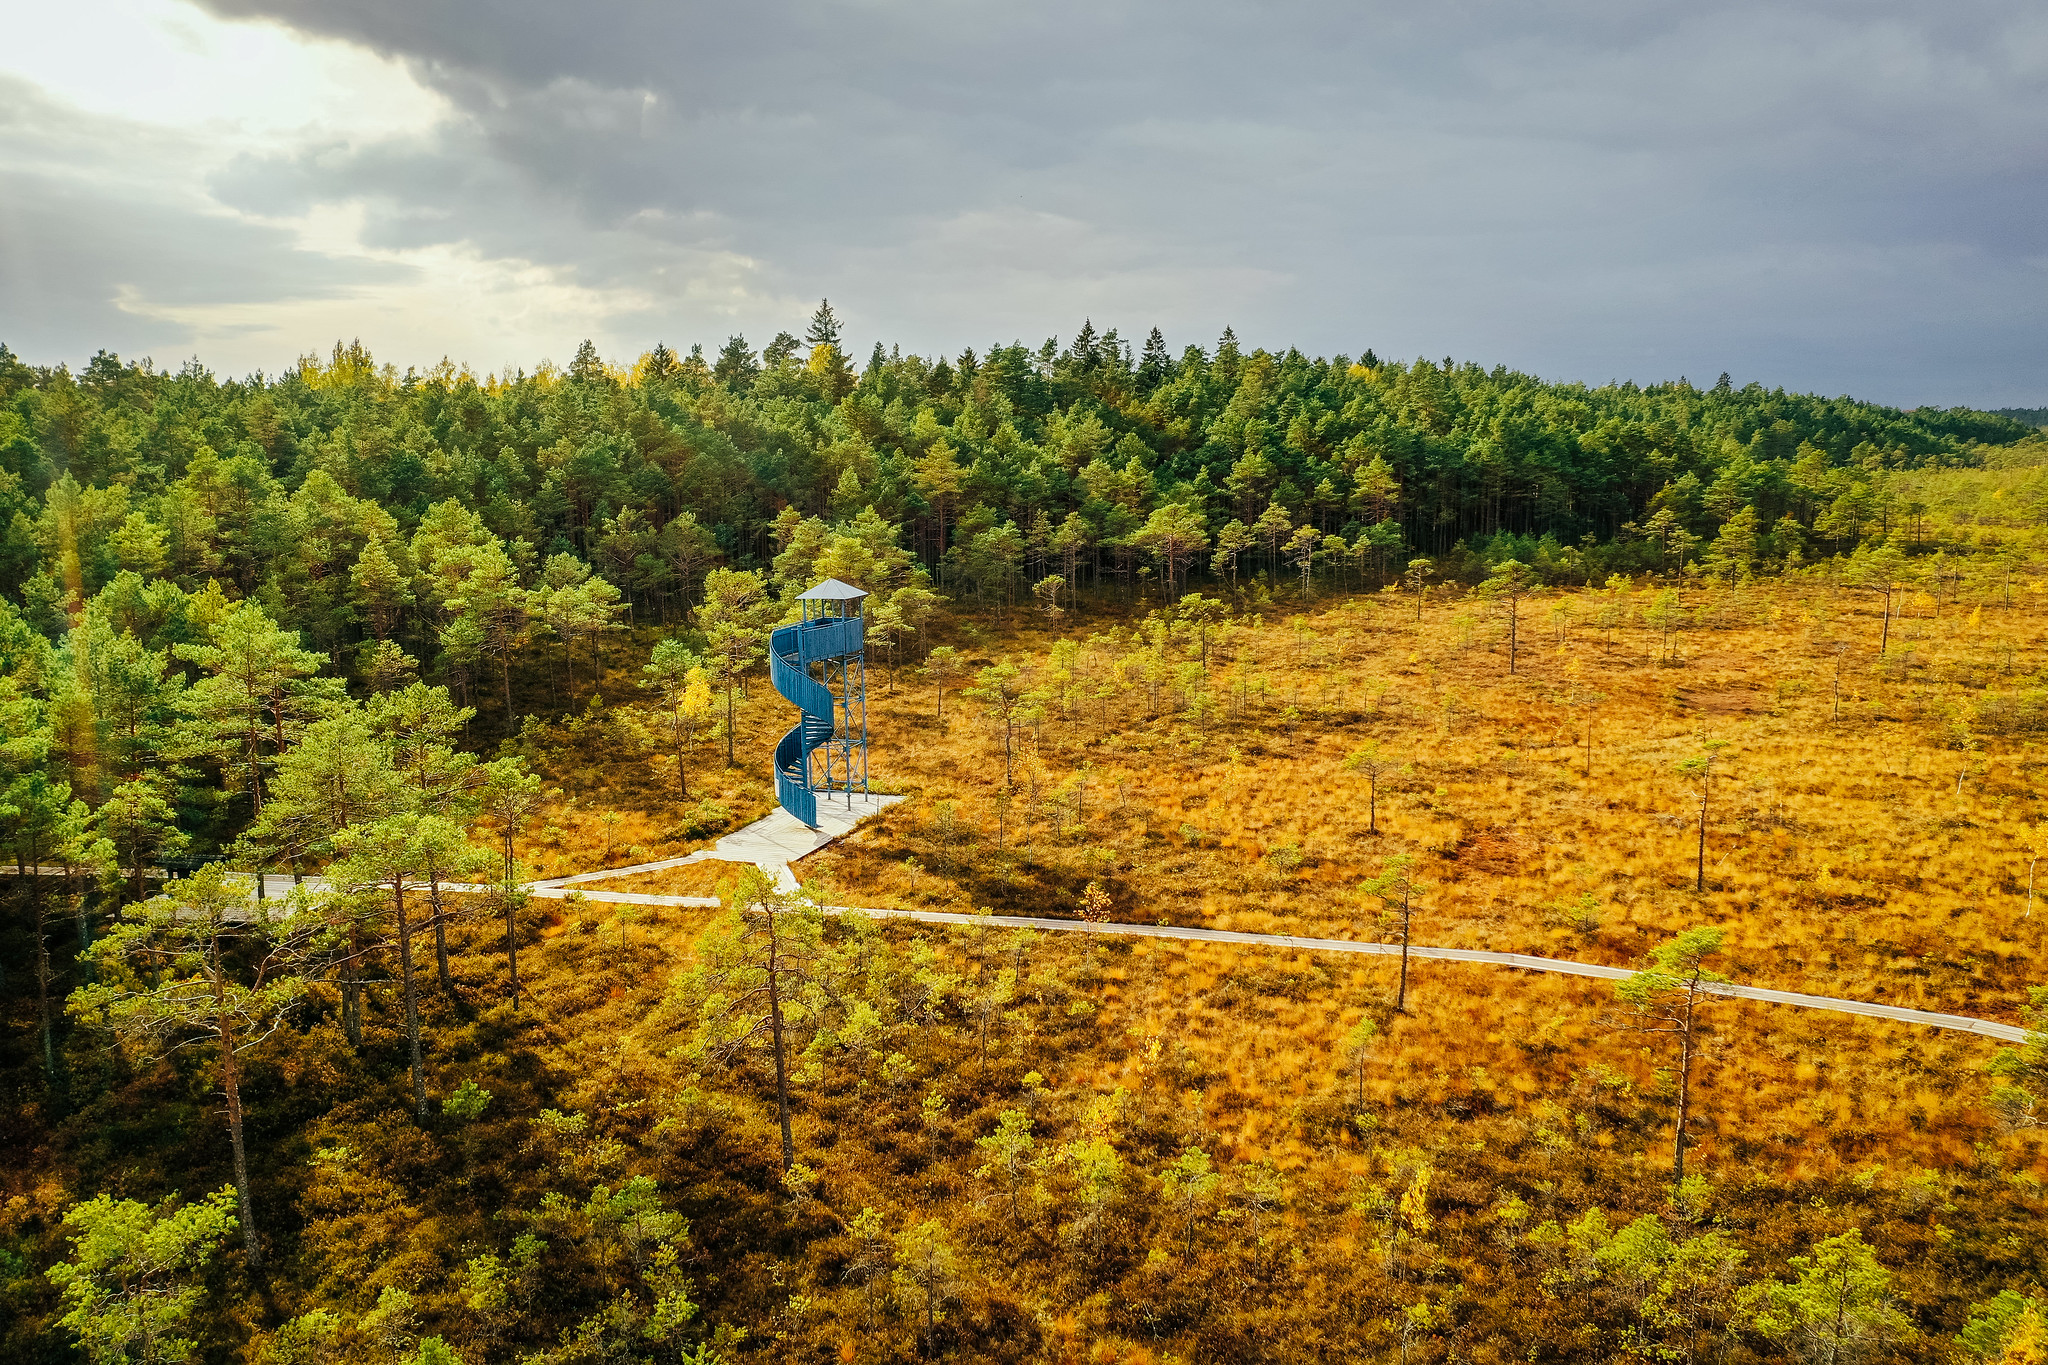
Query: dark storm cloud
x=1841, y=196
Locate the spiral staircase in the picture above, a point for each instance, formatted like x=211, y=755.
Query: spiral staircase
x=831, y=638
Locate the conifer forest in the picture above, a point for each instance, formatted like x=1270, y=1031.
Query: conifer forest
x=314, y=682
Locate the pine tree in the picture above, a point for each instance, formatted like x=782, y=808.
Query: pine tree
x=1084, y=355
x=142, y=825
x=1511, y=581
x=45, y=825
x=1396, y=888
x=133, y=1277
x=259, y=687
x=418, y=726
x=925, y=1273
x=735, y=618
x=824, y=328
x=1699, y=768
x=1008, y=1152
x=682, y=687
x=337, y=775
x=393, y=857
x=1155, y=367
x=378, y=588
x=1664, y=998
x=1357, y=1048
x=1839, y=1311
x=1175, y=536
x=736, y=367
x=1375, y=767
x=2012, y=1329
x=1187, y=1186
x=1416, y=578
x=2016, y=1069
x=752, y=968
x=489, y=597
x=1378, y=492
x=658, y=366
x=209, y=961
x=588, y=367
x=510, y=796
x=1111, y=354
x=1231, y=542
x=1000, y=690
x=136, y=694
x=1228, y=360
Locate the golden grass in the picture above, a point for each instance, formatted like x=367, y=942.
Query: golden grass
x=695, y=879
x=1841, y=858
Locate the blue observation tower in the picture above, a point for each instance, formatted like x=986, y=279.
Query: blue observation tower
x=820, y=666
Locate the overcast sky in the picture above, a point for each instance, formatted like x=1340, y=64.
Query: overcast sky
x=1841, y=197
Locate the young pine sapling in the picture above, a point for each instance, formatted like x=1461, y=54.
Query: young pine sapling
x=1397, y=889
x=1664, y=998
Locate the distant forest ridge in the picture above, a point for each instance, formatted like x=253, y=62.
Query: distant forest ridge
x=2032, y=417
x=1100, y=459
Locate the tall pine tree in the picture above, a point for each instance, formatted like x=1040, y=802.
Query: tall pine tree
x=1155, y=367
x=824, y=328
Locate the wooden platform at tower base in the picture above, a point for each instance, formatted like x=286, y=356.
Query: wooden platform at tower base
x=771, y=843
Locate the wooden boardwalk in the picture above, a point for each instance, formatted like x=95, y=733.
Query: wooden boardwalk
x=1962, y=1023
x=778, y=841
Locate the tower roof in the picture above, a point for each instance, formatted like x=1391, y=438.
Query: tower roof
x=832, y=590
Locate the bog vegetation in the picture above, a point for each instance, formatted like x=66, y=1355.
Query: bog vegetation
x=1707, y=683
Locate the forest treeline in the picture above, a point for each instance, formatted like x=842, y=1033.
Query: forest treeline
x=1096, y=460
